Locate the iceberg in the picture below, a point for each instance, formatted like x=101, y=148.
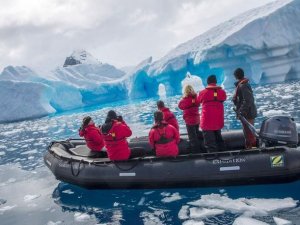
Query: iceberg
x=263, y=41
x=26, y=94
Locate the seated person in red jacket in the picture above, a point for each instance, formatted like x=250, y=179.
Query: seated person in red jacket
x=190, y=106
x=115, y=131
x=212, y=115
x=92, y=136
x=163, y=137
x=169, y=117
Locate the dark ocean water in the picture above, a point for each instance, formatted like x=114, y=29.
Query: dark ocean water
x=29, y=193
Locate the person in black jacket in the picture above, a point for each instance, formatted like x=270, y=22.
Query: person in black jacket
x=245, y=105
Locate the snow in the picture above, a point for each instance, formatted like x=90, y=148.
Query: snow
x=84, y=57
x=247, y=221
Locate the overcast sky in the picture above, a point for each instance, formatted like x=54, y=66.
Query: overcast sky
x=41, y=33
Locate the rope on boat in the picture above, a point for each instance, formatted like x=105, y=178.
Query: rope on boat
x=79, y=169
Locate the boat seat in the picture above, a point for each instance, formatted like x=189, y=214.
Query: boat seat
x=84, y=151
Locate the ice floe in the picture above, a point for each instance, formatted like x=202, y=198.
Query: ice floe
x=247, y=221
x=280, y=221
x=172, y=198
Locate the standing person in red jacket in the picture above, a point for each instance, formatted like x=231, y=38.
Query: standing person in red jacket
x=169, y=117
x=190, y=106
x=115, y=131
x=92, y=136
x=163, y=137
x=212, y=115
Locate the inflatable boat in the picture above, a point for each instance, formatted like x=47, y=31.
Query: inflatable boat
x=275, y=160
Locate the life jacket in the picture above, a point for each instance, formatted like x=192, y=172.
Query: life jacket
x=238, y=84
x=162, y=139
x=215, y=88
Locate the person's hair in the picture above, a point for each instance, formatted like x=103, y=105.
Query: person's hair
x=85, y=121
x=158, y=117
x=189, y=90
x=160, y=104
x=111, y=115
x=239, y=73
x=212, y=79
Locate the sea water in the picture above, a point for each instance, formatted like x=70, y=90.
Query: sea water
x=29, y=193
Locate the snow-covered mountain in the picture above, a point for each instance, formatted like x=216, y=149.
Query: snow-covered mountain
x=80, y=57
x=264, y=41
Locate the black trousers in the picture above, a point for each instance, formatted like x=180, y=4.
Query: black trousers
x=213, y=141
x=195, y=137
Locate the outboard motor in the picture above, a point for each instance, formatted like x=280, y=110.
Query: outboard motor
x=279, y=130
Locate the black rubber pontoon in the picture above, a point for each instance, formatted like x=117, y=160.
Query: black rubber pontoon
x=71, y=161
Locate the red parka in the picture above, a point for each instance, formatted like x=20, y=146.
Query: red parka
x=169, y=117
x=212, y=115
x=115, y=141
x=93, y=137
x=190, y=106
x=164, y=140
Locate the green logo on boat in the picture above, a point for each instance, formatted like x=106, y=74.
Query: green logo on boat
x=277, y=161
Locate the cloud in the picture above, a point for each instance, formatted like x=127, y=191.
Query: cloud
x=41, y=33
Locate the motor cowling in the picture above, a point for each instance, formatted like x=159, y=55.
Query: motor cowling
x=279, y=129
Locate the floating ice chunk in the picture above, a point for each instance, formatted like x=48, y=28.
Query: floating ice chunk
x=29, y=152
x=151, y=192
x=81, y=217
x=200, y=213
x=183, y=212
x=287, y=96
x=222, y=191
x=54, y=223
x=142, y=200
x=272, y=204
x=152, y=218
x=2, y=153
x=193, y=222
x=28, y=198
x=172, y=198
x=165, y=194
x=116, y=204
x=247, y=221
x=280, y=221
x=6, y=208
x=244, y=205
x=68, y=192
x=273, y=112
x=2, y=146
